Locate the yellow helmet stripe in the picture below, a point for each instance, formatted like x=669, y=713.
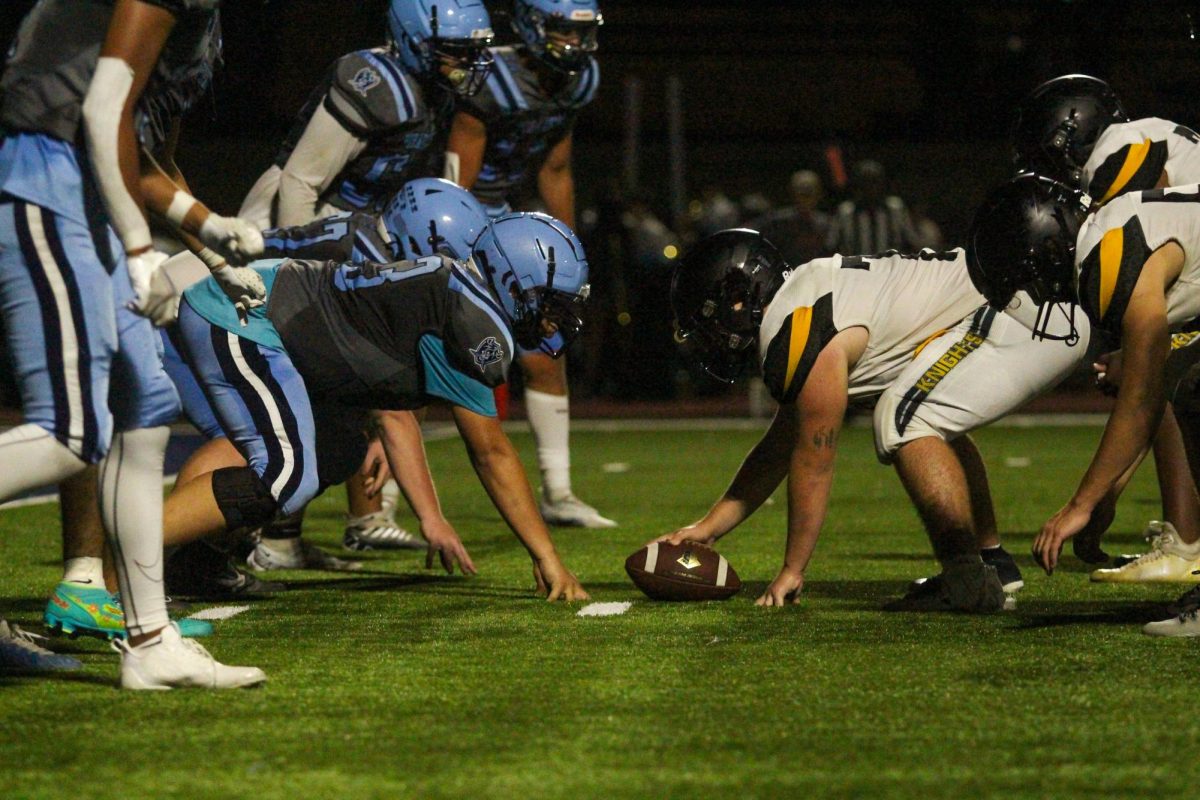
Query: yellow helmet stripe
x=1133, y=162
x=801, y=323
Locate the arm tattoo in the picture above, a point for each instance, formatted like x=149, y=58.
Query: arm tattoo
x=825, y=438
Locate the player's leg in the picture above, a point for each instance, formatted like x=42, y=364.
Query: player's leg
x=54, y=314
x=549, y=410
x=969, y=376
x=983, y=515
x=53, y=320
x=1185, y=612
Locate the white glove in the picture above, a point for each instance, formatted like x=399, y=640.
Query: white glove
x=243, y=286
x=149, y=291
x=234, y=238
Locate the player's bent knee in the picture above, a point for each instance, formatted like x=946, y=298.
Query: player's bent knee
x=244, y=500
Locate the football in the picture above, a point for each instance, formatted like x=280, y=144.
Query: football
x=689, y=571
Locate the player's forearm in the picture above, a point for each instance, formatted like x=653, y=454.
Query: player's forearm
x=809, y=482
x=503, y=477
x=765, y=466
x=400, y=434
x=1132, y=425
x=324, y=149
x=557, y=188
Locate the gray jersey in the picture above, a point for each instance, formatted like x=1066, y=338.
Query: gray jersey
x=354, y=331
x=55, y=54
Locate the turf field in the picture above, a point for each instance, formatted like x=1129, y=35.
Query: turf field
x=400, y=683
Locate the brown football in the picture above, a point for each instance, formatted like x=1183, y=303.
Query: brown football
x=682, y=572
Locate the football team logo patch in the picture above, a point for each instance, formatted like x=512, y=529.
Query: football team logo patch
x=688, y=560
x=365, y=80
x=487, y=352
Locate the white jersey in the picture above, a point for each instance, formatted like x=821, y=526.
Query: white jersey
x=1115, y=242
x=902, y=301
x=1132, y=156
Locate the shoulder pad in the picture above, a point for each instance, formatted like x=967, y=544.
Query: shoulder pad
x=477, y=339
x=1109, y=272
x=178, y=7
x=371, y=92
x=791, y=354
x=1133, y=168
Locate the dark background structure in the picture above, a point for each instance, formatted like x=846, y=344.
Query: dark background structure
x=927, y=88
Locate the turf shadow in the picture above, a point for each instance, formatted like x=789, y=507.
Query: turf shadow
x=1053, y=614
x=15, y=678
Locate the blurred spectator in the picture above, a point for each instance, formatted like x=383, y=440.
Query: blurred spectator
x=712, y=212
x=928, y=232
x=799, y=230
x=754, y=206
x=871, y=221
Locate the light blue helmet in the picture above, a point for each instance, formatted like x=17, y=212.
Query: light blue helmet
x=536, y=268
x=562, y=33
x=430, y=34
x=432, y=215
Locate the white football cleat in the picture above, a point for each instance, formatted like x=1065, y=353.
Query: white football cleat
x=569, y=511
x=379, y=531
x=272, y=554
x=1170, y=561
x=1186, y=624
x=168, y=661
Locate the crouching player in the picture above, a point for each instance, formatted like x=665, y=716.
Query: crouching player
x=845, y=329
x=339, y=338
x=1133, y=267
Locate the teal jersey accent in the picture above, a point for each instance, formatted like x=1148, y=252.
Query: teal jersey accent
x=444, y=381
x=207, y=300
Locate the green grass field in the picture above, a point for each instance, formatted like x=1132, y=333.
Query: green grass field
x=401, y=683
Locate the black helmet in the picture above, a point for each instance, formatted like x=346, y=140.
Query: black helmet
x=1058, y=125
x=1023, y=238
x=718, y=294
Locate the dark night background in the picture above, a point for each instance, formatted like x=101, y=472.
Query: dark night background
x=927, y=88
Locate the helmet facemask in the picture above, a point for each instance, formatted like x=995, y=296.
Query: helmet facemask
x=543, y=311
x=460, y=65
x=721, y=335
x=564, y=44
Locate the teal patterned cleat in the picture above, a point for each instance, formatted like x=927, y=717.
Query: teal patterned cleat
x=75, y=609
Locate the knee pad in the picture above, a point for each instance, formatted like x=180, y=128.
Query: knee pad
x=244, y=500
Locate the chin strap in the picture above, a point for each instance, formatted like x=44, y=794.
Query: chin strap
x=1045, y=315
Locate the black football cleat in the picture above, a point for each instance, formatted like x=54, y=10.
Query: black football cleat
x=202, y=571
x=1006, y=568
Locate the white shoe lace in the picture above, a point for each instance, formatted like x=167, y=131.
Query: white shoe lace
x=26, y=641
x=1159, y=544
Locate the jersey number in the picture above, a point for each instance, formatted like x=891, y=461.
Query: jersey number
x=351, y=278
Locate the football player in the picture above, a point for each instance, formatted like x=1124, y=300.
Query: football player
x=92, y=383
x=909, y=331
x=428, y=216
x=292, y=387
x=516, y=133
x=379, y=118
x=1074, y=129
x=1132, y=266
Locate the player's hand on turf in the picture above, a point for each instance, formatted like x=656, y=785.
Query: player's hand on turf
x=234, y=238
x=556, y=582
x=1108, y=372
x=375, y=468
x=243, y=286
x=784, y=589
x=444, y=542
x=689, y=533
x=1069, y=520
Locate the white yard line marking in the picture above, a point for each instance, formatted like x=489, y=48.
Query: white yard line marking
x=219, y=612
x=1017, y=461
x=603, y=609
x=615, y=467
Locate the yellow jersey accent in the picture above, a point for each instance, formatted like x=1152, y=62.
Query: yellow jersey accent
x=1112, y=246
x=1133, y=162
x=801, y=323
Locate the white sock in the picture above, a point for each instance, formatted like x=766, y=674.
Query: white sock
x=44, y=461
x=550, y=418
x=87, y=571
x=391, y=496
x=131, y=503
